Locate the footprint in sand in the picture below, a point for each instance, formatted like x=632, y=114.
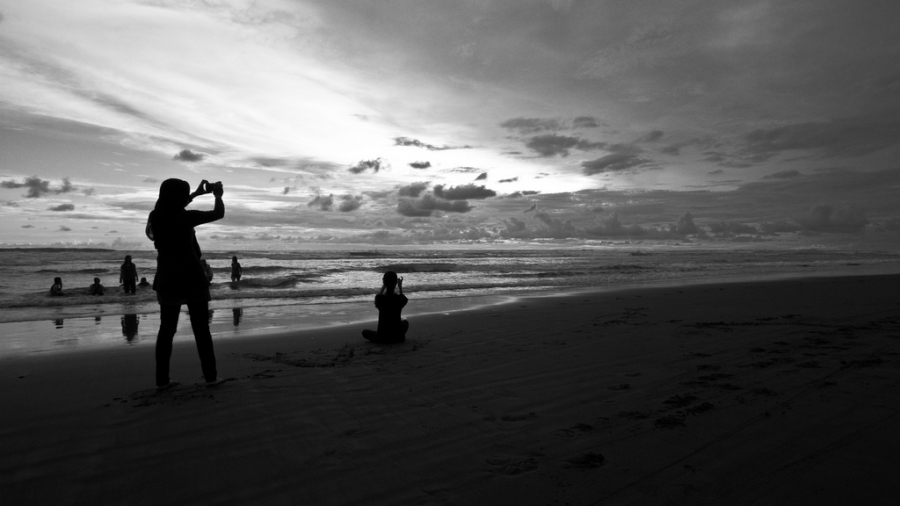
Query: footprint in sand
x=509, y=466
x=579, y=429
x=669, y=422
x=680, y=401
x=702, y=408
x=518, y=417
x=589, y=460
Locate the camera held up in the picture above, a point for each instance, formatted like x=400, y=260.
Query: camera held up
x=210, y=187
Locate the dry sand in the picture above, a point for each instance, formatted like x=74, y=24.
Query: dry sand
x=781, y=392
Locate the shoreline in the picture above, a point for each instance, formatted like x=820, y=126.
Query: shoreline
x=767, y=392
x=66, y=334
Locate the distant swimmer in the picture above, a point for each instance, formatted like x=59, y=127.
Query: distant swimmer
x=236, y=270
x=143, y=283
x=128, y=275
x=180, y=278
x=56, y=289
x=391, y=327
x=96, y=288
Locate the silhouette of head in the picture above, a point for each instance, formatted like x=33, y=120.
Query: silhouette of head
x=97, y=280
x=234, y=259
x=57, y=281
x=127, y=259
x=143, y=280
x=390, y=279
x=174, y=194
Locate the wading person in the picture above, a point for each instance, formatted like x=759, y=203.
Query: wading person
x=236, y=270
x=56, y=289
x=179, y=274
x=128, y=275
x=391, y=328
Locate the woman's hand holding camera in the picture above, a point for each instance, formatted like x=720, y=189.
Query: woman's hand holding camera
x=216, y=189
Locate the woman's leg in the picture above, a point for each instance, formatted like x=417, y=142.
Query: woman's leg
x=371, y=335
x=199, y=311
x=404, y=326
x=168, y=322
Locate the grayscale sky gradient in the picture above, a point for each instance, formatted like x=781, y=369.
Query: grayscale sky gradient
x=386, y=122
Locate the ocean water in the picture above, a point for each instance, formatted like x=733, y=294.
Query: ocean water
x=285, y=290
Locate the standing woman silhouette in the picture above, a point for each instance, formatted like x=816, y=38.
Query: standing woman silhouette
x=179, y=275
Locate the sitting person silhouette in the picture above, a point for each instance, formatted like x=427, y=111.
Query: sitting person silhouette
x=96, y=288
x=56, y=289
x=144, y=283
x=391, y=328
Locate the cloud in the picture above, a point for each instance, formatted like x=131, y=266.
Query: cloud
x=420, y=165
x=406, y=141
x=38, y=187
x=186, y=155
x=377, y=195
x=27, y=226
x=856, y=136
x=413, y=189
x=725, y=227
x=532, y=208
x=715, y=172
x=364, y=165
x=324, y=203
x=825, y=218
x=551, y=144
x=514, y=225
x=465, y=170
x=349, y=203
x=150, y=180
x=482, y=176
x=555, y=226
x=510, y=180
x=469, y=191
x=653, y=136
x=64, y=228
x=773, y=227
x=585, y=122
x=685, y=225
x=427, y=204
x=62, y=207
x=785, y=174
x=671, y=149
x=614, y=162
x=531, y=125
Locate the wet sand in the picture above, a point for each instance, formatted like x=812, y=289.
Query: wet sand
x=780, y=392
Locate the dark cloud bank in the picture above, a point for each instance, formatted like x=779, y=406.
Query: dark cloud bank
x=38, y=187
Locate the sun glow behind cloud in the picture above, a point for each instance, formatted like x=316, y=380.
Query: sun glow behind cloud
x=293, y=101
x=170, y=78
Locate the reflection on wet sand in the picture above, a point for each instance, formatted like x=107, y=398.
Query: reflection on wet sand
x=129, y=326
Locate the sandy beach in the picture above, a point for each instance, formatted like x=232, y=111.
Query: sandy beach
x=781, y=392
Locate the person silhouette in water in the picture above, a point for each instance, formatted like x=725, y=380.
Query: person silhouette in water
x=391, y=328
x=56, y=289
x=96, y=288
x=128, y=275
x=235, y=270
x=179, y=274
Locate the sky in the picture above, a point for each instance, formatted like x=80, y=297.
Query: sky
x=389, y=122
